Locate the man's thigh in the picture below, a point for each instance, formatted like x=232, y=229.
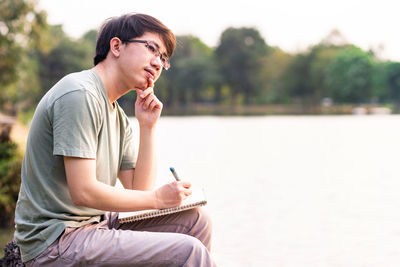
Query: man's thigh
x=194, y=222
x=97, y=245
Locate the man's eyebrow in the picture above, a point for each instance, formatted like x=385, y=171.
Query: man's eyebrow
x=158, y=47
x=155, y=44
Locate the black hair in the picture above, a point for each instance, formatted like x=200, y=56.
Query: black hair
x=130, y=26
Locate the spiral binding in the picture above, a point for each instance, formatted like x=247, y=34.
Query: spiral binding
x=156, y=213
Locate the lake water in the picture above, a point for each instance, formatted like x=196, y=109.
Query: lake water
x=292, y=191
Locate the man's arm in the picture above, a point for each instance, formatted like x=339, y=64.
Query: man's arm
x=147, y=110
x=86, y=191
x=146, y=164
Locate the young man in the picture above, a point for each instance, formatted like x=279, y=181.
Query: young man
x=80, y=141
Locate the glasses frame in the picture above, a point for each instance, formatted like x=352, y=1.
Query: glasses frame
x=166, y=65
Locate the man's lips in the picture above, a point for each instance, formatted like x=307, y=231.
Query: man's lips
x=150, y=73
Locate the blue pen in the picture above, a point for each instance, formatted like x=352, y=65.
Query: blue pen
x=174, y=174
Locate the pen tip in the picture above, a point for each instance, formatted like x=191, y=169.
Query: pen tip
x=171, y=169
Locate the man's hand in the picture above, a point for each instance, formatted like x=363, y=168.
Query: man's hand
x=147, y=106
x=172, y=194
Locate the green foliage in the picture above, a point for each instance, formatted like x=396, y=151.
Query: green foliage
x=393, y=72
x=321, y=57
x=306, y=76
x=349, y=76
x=239, y=56
x=10, y=178
x=273, y=67
x=6, y=235
x=66, y=56
x=296, y=82
x=380, y=90
x=22, y=27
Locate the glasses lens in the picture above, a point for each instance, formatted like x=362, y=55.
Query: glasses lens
x=164, y=60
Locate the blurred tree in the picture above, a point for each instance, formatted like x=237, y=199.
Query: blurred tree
x=273, y=67
x=393, y=70
x=195, y=76
x=380, y=90
x=239, y=56
x=89, y=38
x=295, y=79
x=10, y=178
x=349, y=76
x=67, y=56
x=322, y=56
x=194, y=70
x=22, y=27
x=305, y=79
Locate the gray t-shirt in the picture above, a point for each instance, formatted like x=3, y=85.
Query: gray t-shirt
x=75, y=118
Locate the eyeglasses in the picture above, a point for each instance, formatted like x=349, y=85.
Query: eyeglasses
x=153, y=48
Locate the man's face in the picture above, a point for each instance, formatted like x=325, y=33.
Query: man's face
x=138, y=63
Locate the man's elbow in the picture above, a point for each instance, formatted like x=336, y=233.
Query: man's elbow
x=80, y=199
x=77, y=201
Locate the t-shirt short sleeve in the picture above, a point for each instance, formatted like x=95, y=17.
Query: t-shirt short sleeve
x=76, y=123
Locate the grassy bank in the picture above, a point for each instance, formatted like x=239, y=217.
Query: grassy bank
x=261, y=110
x=6, y=235
x=19, y=134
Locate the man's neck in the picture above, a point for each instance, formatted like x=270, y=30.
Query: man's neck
x=109, y=79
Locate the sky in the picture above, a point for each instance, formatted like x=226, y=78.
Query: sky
x=292, y=25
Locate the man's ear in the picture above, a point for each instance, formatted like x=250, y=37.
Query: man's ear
x=115, y=46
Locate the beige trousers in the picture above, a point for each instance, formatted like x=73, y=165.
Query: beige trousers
x=180, y=239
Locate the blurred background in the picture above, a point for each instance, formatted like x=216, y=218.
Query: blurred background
x=285, y=111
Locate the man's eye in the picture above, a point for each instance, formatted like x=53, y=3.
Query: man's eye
x=151, y=48
x=163, y=59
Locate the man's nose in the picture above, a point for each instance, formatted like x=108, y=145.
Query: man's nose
x=156, y=62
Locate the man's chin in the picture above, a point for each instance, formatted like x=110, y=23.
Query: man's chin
x=141, y=87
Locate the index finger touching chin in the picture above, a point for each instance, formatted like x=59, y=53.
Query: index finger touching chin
x=148, y=91
x=150, y=83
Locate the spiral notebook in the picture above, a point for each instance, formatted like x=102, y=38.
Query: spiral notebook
x=196, y=199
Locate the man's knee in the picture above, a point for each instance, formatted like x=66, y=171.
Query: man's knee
x=194, y=253
x=202, y=226
x=204, y=218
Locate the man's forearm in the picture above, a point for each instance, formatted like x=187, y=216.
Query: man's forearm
x=146, y=165
x=86, y=190
x=104, y=197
